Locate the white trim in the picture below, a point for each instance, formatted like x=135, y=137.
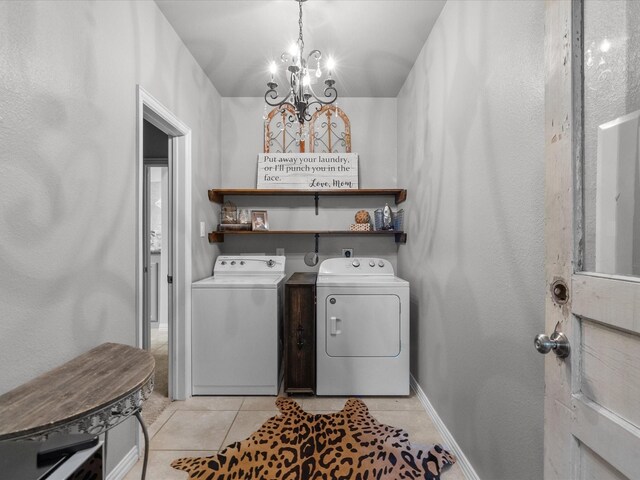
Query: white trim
x=125, y=465
x=153, y=111
x=449, y=441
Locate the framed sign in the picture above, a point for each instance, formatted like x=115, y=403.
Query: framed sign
x=308, y=171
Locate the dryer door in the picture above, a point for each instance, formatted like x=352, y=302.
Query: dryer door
x=362, y=325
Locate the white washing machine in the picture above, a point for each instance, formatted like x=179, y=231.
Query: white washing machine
x=236, y=325
x=362, y=328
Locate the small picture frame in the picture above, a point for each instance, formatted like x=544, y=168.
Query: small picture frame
x=259, y=220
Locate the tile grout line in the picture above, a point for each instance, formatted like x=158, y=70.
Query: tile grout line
x=151, y=437
x=226, y=434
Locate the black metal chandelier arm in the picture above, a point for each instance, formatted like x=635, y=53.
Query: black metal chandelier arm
x=316, y=54
x=271, y=98
x=330, y=93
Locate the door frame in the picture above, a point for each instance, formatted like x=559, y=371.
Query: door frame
x=150, y=109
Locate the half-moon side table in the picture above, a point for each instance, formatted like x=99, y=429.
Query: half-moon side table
x=90, y=394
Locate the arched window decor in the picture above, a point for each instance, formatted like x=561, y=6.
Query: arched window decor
x=330, y=131
x=281, y=131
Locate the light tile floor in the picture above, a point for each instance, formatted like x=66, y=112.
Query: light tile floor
x=159, y=338
x=200, y=426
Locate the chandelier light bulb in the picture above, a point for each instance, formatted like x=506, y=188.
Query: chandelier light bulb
x=273, y=68
x=331, y=64
x=293, y=50
x=306, y=80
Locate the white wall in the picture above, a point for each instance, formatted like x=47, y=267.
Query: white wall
x=373, y=132
x=470, y=151
x=68, y=174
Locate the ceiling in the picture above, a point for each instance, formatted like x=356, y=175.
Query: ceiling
x=374, y=42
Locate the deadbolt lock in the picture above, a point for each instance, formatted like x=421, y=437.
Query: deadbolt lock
x=560, y=292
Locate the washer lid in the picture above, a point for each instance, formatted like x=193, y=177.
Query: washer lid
x=240, y=281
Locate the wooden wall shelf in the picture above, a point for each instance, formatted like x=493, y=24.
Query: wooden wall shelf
x=217, y=195
x=218, y=236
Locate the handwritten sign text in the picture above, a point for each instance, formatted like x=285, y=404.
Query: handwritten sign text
x=308, y=171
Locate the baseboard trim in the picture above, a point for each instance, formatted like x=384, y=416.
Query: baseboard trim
x=125, y=465
x=450, y=442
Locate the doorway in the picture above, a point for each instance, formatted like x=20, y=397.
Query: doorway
x=173, y=269
x=158, y=262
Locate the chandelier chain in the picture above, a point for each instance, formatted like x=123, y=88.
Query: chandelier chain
x=300, y=39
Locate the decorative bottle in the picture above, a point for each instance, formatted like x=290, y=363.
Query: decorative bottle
x=386, y=217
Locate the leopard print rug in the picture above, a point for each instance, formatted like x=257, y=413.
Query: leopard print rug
x=349, y=444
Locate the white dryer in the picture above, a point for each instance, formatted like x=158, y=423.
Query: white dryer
x=362, y=328
x=236, y=324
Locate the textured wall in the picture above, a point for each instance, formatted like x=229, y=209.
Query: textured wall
x=373, y=131
x=470, y=151
x=68, y=173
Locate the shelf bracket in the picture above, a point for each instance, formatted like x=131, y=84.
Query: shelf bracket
x=216, y=237
x=401, y=237
x=317, y=235
x=215, y=196
x=316, y=197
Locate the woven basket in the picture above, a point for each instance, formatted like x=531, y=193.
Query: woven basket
x=360, y=227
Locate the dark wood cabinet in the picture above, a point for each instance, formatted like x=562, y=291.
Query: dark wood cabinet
x=300, y=333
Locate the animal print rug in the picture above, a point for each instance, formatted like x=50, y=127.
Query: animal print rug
x=349, y=444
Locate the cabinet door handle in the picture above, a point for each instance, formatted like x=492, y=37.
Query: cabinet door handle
x=300, y=341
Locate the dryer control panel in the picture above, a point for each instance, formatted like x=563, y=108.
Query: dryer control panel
x=356, y=266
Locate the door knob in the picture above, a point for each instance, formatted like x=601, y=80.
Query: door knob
x=558, y=342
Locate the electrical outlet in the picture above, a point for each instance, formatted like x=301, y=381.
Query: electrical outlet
x=202, y=230
x=347, y=252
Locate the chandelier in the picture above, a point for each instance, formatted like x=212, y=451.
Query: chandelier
x=301, y=95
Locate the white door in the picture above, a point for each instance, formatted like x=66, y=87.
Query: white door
x=592, y=233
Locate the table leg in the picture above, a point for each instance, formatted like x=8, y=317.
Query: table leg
x=146, y=444
x=104, y=458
